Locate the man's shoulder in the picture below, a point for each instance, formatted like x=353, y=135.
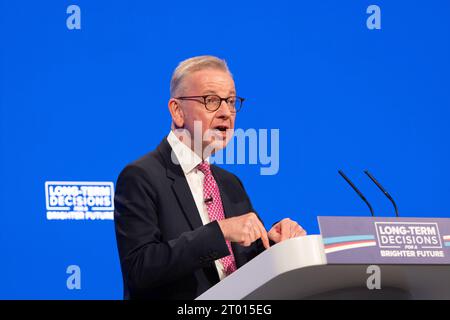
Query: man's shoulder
x=150, y=165
x=149, y=161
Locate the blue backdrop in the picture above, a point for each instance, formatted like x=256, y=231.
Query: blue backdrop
x=79, y=104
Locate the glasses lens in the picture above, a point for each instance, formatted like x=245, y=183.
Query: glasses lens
x=235, y=103
x=212, y=102
x=232, y=103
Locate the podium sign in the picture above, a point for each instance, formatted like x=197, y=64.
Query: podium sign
x=380, y=240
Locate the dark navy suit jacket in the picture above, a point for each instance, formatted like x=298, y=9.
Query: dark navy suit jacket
x=165, y=250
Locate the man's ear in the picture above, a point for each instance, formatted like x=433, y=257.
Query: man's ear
x=176, y=112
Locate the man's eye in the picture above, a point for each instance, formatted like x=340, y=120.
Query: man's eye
x=212, y=100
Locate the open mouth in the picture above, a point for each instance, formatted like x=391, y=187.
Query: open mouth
x=221, y=128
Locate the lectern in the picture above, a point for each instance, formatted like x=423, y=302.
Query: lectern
x=310, y=267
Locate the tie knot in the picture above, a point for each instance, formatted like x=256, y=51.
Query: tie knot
x=205, y=168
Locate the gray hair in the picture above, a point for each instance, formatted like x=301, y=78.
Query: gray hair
x=192, y=65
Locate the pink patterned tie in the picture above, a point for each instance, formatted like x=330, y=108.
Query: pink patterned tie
x=213, y=202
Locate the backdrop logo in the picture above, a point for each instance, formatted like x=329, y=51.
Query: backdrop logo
x=69, y=200
x=406, y=235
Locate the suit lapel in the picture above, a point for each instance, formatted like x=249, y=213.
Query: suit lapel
x=186, y=201
x=180, y=186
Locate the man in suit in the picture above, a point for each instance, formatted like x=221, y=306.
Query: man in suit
x=182, y=225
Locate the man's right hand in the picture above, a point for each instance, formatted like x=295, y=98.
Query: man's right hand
x=244, y=230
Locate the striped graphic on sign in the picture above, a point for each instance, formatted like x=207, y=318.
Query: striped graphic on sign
x=335, y=244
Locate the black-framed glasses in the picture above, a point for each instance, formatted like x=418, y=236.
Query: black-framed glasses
x=212, y=102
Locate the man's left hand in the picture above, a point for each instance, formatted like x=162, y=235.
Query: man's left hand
x=285, y=229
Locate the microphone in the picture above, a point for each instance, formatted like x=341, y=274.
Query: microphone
x=382, y=190
x=208, y=200
x=357, y=191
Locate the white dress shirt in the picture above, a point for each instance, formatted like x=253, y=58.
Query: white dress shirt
x=189, y=160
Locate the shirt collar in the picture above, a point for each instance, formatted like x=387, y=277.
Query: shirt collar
x=187, y=158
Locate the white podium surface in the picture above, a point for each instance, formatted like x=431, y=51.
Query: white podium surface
x=297, y=269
